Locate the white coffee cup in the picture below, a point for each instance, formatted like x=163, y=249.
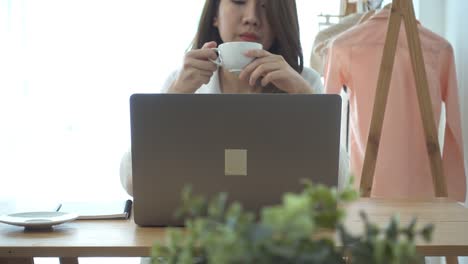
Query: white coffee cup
x=231, y=55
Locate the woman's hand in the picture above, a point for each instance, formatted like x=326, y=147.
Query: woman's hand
x=273, y=69
x=197, y=69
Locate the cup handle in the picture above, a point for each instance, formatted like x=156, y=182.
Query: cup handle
x=219, y=60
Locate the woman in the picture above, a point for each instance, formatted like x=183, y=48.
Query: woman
x=279, y=68
x=272, y=23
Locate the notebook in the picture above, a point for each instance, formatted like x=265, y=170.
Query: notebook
x=254, y=147
x=119, y=209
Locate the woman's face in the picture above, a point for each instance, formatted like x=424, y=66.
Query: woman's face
x=244, y=20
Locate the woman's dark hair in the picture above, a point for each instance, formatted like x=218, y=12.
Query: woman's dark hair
x=284, y=22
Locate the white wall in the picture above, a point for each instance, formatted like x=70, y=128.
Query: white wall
x=456, y=32
x=432, y=13
x=446, y=17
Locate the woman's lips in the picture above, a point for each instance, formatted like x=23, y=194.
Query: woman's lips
x=249, y=37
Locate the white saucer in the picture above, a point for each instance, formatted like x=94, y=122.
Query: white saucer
x=37, y=220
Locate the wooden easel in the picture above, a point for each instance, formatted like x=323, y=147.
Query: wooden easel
x=403, y=10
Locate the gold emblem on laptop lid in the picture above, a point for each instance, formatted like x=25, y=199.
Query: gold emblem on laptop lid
x=235, y=162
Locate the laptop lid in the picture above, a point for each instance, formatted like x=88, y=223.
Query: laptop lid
x=254, y=147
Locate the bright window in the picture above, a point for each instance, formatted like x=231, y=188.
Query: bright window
x=67, y=69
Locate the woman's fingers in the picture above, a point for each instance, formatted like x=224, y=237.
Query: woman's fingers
x=198, y=64
x=205, y=73
x=202, y=54
x=271, y=77
x=197, y=77
x=262, y=70
x=210, y=45
x=270, y=68
x=263, y=57
x=257, y=53
x=198, y=68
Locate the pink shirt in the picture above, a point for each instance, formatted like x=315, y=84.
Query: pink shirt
x=402, y=168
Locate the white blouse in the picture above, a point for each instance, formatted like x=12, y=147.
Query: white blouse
x=213, y=87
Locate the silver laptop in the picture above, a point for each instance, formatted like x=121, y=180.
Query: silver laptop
x=254, y=147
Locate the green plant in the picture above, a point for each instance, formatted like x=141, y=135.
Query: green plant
x=300, y=230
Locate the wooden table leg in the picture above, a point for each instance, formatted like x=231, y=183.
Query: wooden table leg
x=451, y=260
x=17, y=260
x=73, y=260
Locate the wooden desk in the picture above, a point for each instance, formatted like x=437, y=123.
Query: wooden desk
x=122, y=238
x=450, y=218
